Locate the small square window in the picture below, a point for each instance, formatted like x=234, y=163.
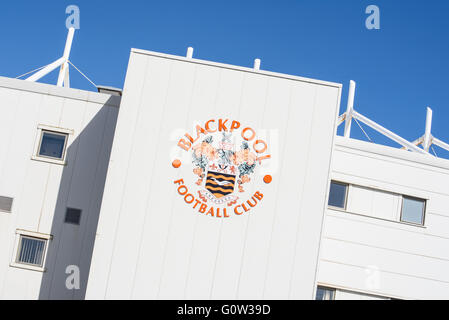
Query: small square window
x=52, y=145
x=73, y=216
x=323, y=293
x=413, y=210
x=31, y=251
x=337, y=194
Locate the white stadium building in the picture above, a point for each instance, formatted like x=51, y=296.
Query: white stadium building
x=202, y=180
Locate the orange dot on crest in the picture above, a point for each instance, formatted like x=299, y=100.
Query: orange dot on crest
x=267, y=179
x=176, y=163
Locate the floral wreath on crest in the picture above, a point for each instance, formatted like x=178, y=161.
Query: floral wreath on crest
x=241, y=163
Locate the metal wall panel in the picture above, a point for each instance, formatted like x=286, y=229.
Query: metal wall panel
x=42, y=191
x=363, y=253
x=151, y=245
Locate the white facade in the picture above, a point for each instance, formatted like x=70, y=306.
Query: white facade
x=151, y=245
x=42, y=190
x=366, y=248
x=153, y=241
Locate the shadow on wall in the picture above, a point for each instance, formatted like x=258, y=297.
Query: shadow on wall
x=81, y=187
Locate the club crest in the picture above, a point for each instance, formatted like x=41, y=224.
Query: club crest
x=224, y=162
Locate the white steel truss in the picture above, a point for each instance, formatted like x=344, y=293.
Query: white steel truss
x=425, y=141
x=63, y=63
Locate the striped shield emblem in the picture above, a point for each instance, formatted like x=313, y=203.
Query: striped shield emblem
x=220, y=184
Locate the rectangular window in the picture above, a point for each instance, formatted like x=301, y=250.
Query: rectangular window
x=413, y=210
x=337, y=194
x=73, y=216
x=323, y=293
x=52, y=145
x=31, y=251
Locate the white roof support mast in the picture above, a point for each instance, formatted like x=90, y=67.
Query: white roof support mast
x=350, y=109
x=63, y=63
x=426, y=140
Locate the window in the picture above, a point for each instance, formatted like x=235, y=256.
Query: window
x=323, y=293
x=52, y=145
x=6, y=204
x=337, y=194
x=376, y=203
x=31, y=250
x=73, y=216
x=413, y=210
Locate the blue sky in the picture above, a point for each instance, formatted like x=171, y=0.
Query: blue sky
x=399, y=69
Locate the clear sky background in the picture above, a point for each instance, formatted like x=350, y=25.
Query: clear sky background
x=399, y=69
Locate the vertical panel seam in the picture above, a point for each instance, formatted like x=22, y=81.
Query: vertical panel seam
x=197, y=217
x=151, y=183
x=170, y=225
x=66, y=196
x=298, y=224
x=221, y=225
x=277, y=195
x=329, y=169
x=88, y=208
x=115, y=233
x=249, y=216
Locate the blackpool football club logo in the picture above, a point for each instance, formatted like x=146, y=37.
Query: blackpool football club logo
x=224, y=160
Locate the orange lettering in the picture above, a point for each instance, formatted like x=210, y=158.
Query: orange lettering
x=235, y=125
x=180, y=181
x=203, y=208
x=199, y=130
x=191, y=196
x=184, y=144
x=253, y=134
x=197, y=202
x=211, y=211
x=208, y=128
x=221, y=125
x=189, y=137
x=264, y=146
x=251, y=204
x=181, y=187
x=236, y=212
x=258, y=195
x=263, y=158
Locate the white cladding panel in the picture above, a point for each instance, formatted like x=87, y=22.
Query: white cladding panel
x=42, y=191
x=150, y=244
x=361, y=252
x=372, y=202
